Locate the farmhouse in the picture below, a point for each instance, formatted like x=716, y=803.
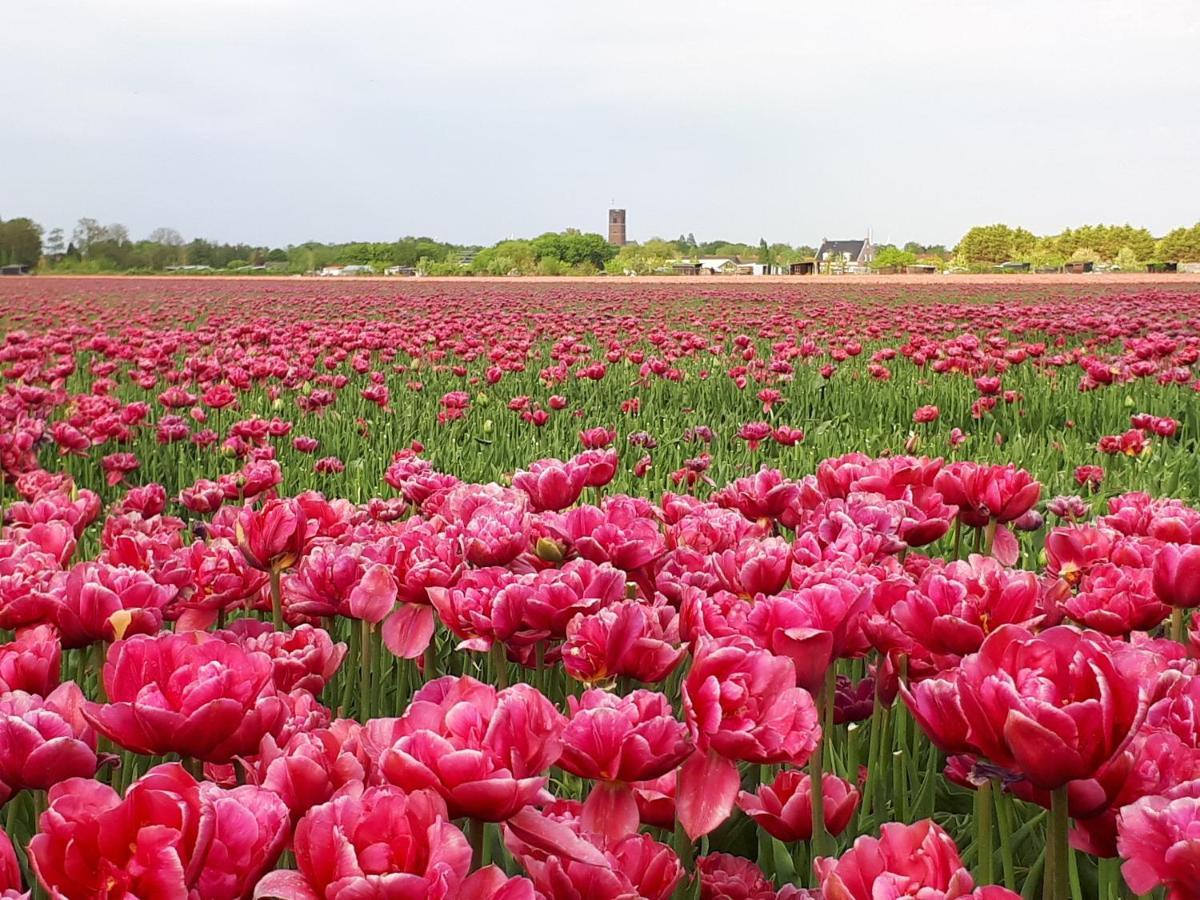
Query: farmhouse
x=848, y=257
x=724, y=265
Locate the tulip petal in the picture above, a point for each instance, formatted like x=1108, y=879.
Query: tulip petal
x=554, y=838
x=611, y=810
x=1005, y=547
x=285, y=886
x=708, y=785
x=408, y=630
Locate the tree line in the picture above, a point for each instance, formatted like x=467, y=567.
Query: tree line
x=94, y=247
x=1123, y=246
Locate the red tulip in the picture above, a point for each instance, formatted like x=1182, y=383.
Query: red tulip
x=485, y=751
x=380, y=842
x=1054, y=707
x=783, y=809
x=727, y=877
x=1157, y=837
x=741, y=703
x=624, y=639
x=274, y=537
x=31, y=663
x=305, y=658
x=188, y=694
x=564, y=860
x=44, y=741
x=986, y=493
x=617, y=740
x=169, y=837
x=918, y=860
x=552, y=484
x=10, y=871
x=1177, y=575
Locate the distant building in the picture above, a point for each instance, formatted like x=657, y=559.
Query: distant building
x=804, y=267
x=847, y=257
x=400, y=270
x=616, y=227
x=1013, y=266
x=14, y=269
x=335, y=271
x=724, y=265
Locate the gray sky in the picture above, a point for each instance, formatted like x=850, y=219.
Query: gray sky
x=275, y=122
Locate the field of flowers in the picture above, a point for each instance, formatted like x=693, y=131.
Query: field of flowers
x=576, y=590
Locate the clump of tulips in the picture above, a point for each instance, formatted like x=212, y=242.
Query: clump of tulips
x=838, y=687
x=615, y=626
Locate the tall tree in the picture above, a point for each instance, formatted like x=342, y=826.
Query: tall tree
x=20, y=242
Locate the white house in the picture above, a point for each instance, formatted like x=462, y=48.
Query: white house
x=849, y=257
x=724, y=265
x=334, y=271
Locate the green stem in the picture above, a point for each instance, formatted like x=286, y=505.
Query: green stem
x=990, y=538
x=499, y=665
x=683, y=848
x=430, y=662
x=478, y=839
x=1057, y=884
x=1177, y=624
x=364, y=670
x=1004, y=816
x=822, y=845
x=983, y=833
x=276, y=601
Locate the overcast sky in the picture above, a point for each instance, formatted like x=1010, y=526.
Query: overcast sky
x=275, y=122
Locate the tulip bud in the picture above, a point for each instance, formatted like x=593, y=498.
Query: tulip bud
x=549, y=551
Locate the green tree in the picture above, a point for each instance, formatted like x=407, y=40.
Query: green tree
x=54, y=244
x=994, y=244
x=20, y=242
x=1180, y=245
x=891, y=257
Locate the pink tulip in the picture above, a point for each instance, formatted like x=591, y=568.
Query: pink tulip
x=986, y=493
x=485, y=751
x=813, y=626
x=305, y=658
x=10, y=871
x=31, y=663
x=106, y=603
x=918, y=860
x=188, y=694
x=1116, y=600
x=1177, y=575
x=273, y=537
x=44, y=741
x=564, y=859
x=783, y=808
x=169, y=837
x=310, y=768
x=1157, y=837
x=740, y=703
x=617, y=740
x=625, y=639
x=1054, y=707
x=727, y=877
x=765, y=495
x=552, y=484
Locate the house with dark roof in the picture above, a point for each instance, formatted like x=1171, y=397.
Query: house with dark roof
x=845, y=256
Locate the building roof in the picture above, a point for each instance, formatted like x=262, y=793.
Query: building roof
x=839, y=247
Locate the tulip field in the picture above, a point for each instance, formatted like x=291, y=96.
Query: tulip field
x=599, y=589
